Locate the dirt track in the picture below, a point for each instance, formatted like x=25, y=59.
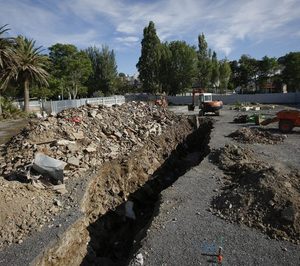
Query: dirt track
x=185, y=227
x=10, y=128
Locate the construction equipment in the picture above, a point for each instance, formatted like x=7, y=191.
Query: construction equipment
x=206, y=103
x=287, y=120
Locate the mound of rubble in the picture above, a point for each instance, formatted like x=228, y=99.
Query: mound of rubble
x=86, y=136
x=257, y=194
x=80, y=140
x=255, y=135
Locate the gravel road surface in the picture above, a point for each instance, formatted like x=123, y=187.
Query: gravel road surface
x=185, y=231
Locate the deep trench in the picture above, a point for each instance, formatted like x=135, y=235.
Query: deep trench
x=114, y=237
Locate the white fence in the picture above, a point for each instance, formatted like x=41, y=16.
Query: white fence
x=34, y=106
x=57, y=106
x=276, y=98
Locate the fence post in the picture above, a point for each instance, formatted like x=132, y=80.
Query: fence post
x=41, y=105
x=51, y=106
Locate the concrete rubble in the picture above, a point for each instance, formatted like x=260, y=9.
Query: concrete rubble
x=81, y=140
x=102, y=134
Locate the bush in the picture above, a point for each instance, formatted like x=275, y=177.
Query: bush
x=9, y=110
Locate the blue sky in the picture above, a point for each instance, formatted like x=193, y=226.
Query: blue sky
x=231, y=27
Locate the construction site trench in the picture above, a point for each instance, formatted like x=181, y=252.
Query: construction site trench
x=118, y=161
x=113, y=238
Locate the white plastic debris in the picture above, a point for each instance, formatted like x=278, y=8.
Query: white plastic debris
x=51, y=167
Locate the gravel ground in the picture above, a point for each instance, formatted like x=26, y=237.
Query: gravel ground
x=185, y=228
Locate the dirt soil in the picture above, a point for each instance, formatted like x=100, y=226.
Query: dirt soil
x=188, y=228
x=9, y=128
x=255, y=135
x=85, y=138
x=258, y=194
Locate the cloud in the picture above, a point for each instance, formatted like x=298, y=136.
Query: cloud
x=45, y=26
x=224, y=22
x=120, y=22
x=128, y=41
x=255, y=21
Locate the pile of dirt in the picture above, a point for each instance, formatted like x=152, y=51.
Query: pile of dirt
x=86, y=138
x=255, y=135
x=24, y=208
x=258, y=194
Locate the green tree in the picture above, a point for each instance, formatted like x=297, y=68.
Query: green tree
x=50, y=92
x=108, y=70
x=6, y=45
x=249, y=71
x=234, y=80
x=124, y=85
x=225, y=73
x=78, y=70
x=71, y=68
x=179, y=67
x=291, y=70
x=204, y=62
x=6, y=59
x=215, y=73
x=149, y=61
x=30, y=67
x=59, y=56
x=93, y=82
x=267, y=68
x=165, y=67
x=104, y=70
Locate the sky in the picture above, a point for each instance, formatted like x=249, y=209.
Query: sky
x=231, y=27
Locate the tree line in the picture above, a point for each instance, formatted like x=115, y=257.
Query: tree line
x=65, y=73
x=171, y=67
x=174, y=67
x=177, y=66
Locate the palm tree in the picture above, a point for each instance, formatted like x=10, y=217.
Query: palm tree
x=6, y=44
x=6, y=59
x=30, y=66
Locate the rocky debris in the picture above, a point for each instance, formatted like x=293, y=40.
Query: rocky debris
x=85, y=139
x=139, y=259
x=255, y=135
x=241, y=119
x=48, y=166
x=258, y=194
x=99, y=134
x=23, y=209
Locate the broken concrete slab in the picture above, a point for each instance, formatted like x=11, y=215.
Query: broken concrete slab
x=49, y=166
x=74, y=161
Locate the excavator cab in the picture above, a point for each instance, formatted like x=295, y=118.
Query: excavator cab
x=205, y=97
x=206, y=103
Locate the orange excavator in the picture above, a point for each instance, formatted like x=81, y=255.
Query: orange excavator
x=287, y=120
x=206, y=104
